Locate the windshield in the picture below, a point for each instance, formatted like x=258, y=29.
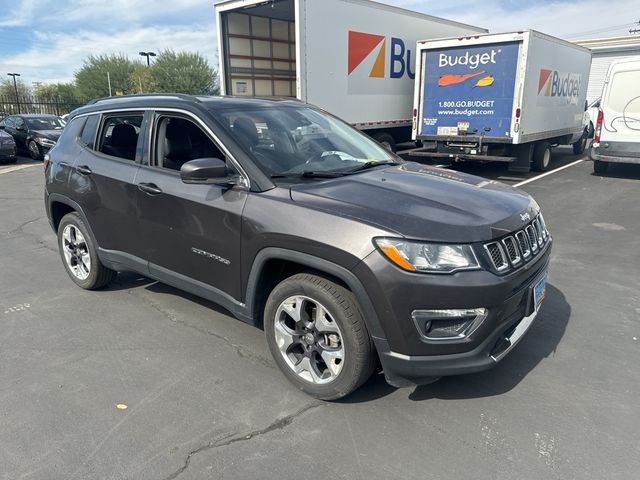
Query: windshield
x=295, y=140
x=44, y=123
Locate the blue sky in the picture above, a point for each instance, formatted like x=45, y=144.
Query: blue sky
x=46, y=40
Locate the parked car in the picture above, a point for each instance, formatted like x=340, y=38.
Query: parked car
x=617, y=132
x=34, y=134
x=7, y=147
x=343, y=252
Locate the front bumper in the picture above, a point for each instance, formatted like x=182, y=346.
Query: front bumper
x=7, y=151
x=410, y=359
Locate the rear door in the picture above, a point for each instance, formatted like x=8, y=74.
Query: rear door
x=189, y=230
x=621, y=105
x=102, y=179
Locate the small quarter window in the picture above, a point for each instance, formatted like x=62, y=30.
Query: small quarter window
x=119, y=136
x=88, y=135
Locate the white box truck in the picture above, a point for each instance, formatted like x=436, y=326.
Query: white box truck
x=353, y=58
x=500, y=97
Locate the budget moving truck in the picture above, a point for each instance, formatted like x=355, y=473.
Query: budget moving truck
x=506, y=97
x=353, y=58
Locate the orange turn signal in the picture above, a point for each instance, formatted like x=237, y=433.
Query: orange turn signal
x=396, y=257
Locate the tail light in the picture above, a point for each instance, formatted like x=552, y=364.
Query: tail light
x=596, y=135
x=46, y=161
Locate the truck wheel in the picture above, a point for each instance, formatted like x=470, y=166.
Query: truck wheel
x=386, y=140
x=317, y=336
x=541, y=156
x=580, y=146
x=600, y=167
x=79, y=254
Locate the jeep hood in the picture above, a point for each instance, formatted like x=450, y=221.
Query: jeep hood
x=423, y=202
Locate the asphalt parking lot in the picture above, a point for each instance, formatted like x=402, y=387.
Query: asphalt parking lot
x=204, y=399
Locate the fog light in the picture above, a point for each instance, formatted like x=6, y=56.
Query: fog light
x=449, y=324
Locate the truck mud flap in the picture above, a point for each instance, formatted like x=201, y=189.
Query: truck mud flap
x=523, y=155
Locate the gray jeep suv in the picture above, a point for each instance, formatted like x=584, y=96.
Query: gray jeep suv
x=348, y=257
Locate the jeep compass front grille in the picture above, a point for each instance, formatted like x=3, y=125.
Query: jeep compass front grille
x=519, y=247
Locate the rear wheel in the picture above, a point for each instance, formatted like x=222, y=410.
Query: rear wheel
x=318, y=337
x=386, y=140
x=79, y=255
x=600, y=167
x=541, y=156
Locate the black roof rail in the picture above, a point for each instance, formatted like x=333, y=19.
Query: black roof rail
x=182, y=96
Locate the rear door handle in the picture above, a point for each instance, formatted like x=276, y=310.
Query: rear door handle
x=149, y=188
x=83, y=169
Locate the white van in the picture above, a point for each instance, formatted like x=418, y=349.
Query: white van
x=617, y=133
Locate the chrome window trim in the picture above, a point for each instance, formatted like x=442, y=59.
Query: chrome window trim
x=197, y=119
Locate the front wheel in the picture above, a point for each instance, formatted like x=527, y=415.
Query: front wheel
x=34, y=150
x=79, y=254
x=580, y=146
x=317, y=336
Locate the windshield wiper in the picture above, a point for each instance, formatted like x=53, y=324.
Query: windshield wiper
x=371, y=164
x=310, y=174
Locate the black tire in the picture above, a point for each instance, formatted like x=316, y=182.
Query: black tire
x=542, y=157
x=34, y=150
x=600, y=167
x=11, y=160
x=98, y=275
x=580, y=146
x=386, y=140
x=359, y=359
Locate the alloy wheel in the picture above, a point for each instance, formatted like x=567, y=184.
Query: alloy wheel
x=76, y=252
x=309, y=339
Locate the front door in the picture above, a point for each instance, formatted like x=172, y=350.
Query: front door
x=189, y=230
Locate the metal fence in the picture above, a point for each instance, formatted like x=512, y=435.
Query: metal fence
x=33, y=104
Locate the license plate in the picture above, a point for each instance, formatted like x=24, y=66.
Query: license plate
x=539, y=290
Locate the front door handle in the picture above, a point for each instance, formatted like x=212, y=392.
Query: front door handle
x=83, y=169
x=149, y=188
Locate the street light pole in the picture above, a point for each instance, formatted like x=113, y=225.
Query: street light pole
x=15, y=87
x=147, y=54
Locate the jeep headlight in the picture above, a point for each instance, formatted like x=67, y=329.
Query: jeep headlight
x=428, y=257
x=45, y=142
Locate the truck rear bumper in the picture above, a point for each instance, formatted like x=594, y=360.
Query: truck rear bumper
x=618, y=152
x=462, y=156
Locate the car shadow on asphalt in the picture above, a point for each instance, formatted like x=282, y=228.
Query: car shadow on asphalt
x=626, y=171
x=539, y=343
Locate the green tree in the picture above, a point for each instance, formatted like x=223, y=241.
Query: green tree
x=91, y=79
x=60, y=92
x=184, y=72
x=142, y=80
x=8, y=91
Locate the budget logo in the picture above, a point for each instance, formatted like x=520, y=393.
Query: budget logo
x=368, y=51
x=552, y=83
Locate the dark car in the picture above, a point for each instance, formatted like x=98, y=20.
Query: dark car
x=7, y=147
x=34, y=134
x=348, y=257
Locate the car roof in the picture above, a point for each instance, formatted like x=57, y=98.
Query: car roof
x=32, y=115
x=178, y=100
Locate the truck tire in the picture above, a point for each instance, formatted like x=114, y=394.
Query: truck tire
x=541, y=156
x=317, y=336
x=79, y=255
x=580, y=146
x=600, y=167
x=386, y=140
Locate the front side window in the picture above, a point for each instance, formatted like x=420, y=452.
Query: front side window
x=119, y=135
x=179, y=140
x=294, y=140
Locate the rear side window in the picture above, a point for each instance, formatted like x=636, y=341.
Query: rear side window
x=88, y=135
x=119, y=135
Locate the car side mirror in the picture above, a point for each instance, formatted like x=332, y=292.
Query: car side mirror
x=20, y=127
x=211, y=171
x=586, y=105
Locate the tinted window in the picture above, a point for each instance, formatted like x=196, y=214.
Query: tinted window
x=179, y=140
x=8, y=122
x=119, y=135
x=44, y=123
x=88, y=135
x=18, y=122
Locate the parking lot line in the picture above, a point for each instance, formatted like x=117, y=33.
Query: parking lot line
x=16, y=168
x=547, y=174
